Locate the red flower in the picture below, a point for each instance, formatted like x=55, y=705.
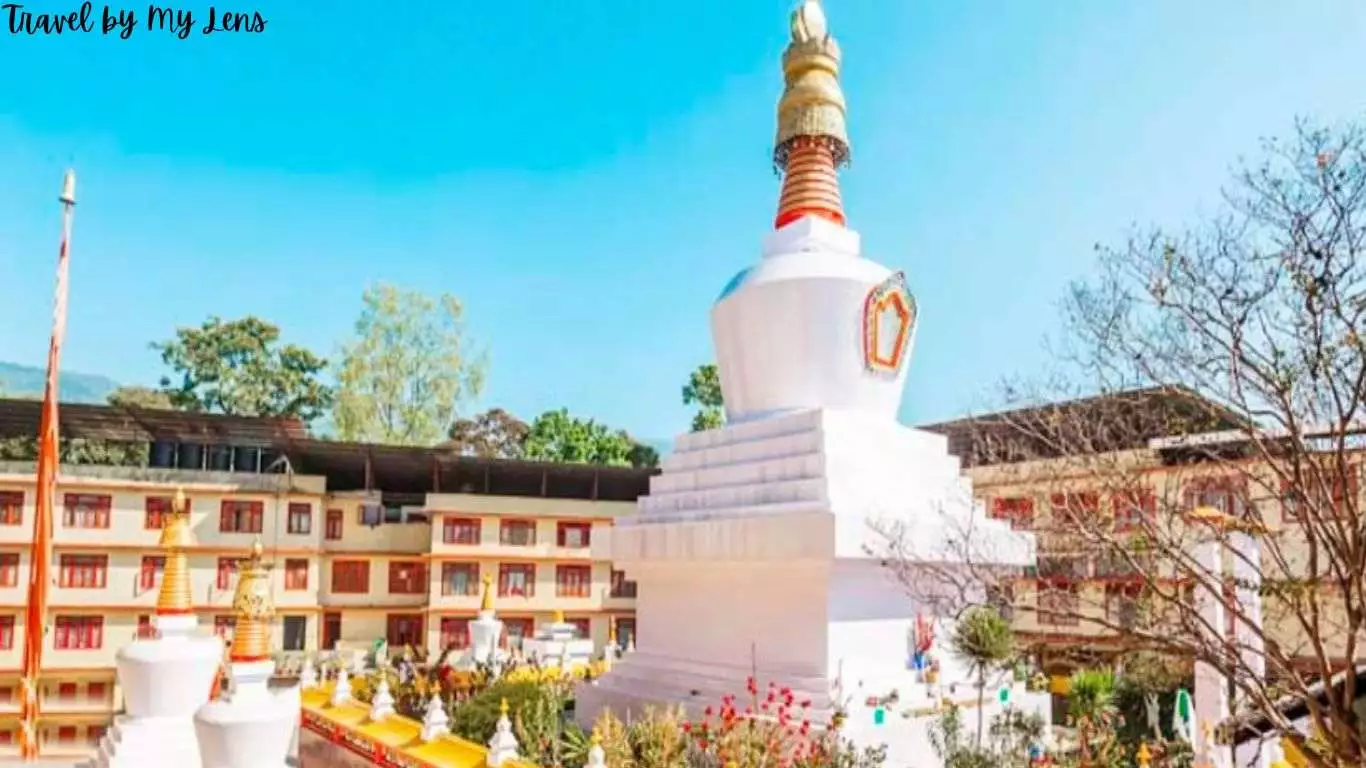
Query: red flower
x=687, y=727
x=805, y=703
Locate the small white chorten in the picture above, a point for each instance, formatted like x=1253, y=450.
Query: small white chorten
x=252, y=726
x=597, y=756
x=165, y=679
x=341, y=691
x=503, y=745
x=485, y=631
x=382, y=705
x=308, y=677
x=435, y=721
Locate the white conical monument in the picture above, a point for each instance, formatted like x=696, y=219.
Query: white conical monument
x=485, y=631
x=167, y=678
x=382, y=704
x=503, y=745
x=435, y=721
x=308, y=676
x=779, y=521
x=341, y=691
x=252, y=725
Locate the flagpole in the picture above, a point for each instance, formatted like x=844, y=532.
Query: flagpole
x=40, y=555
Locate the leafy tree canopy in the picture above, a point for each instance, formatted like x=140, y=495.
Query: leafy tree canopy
x=704, y=390
x=140, y=397
x=407, y=369
x=239, y=367
x=558, y=436
x=493, y=434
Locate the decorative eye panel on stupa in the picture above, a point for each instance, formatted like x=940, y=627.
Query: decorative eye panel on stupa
x=888, y=319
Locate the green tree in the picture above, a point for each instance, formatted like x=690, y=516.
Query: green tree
x=239, y=367
x=493, y=434
x=984, y=640
x=704, y=390
x=407, y=370
x=1091, y=705
x=558, y=436
x=139, y=397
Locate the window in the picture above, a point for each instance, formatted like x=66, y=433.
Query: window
x=93, y=734
x=1058, y=605
x=350, y=576
x=517, y=533
x=405, y=629
x=6, y=694
x=158, y=507
x=516, y=580
x=66, y=734
x=1017, y=510
x=621, y=587
x=224, y=624
x=145, y=630
x=1121, y=604
x=1308, y=495
x=1002, y=598
x=84, y=571
x=153, y=567
x=1224, y=495
x=626, y=632
x=227, y=571
x=581, y=627
x=11, y=507
x=455, y=633
x=296, y=574
x=1073, y=507
x=295, y=630
x=1132, y=508
x=334, y=525
x=6, y=737
x=97, y=692
x=86, y=510
x=66, y=691
x=573, y=535
x=573, y=580
x=9, y=569
x=331, y=630
x=516, y=630
x=300, y=518
x=240, y=516
x=6, y=633
x=407, y=578
x=1063, y=568
x=79, y=633
x=459, y=530
x=459, y=578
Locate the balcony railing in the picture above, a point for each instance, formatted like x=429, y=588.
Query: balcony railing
x=622, y=590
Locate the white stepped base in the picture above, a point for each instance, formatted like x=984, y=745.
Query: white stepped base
x=132, y=742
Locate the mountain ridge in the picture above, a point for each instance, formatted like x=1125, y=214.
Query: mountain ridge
x=17, y=380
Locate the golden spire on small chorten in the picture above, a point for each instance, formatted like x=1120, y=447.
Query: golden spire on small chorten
x=486, y=603
x=557, y=617
x=174, y=599
x=253, y=609
x=812, y=139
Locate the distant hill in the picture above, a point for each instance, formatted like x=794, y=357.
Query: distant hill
x=27, y=381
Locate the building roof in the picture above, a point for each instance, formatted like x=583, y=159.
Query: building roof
x=1111, y=422
x=1256, y=725
x=397, y=470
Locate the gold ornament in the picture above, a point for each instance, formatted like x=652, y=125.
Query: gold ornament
x=253, y=608
x=175, y=598
x=812, y=105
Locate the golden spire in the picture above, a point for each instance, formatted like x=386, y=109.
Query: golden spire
x=486, y=603
x=174, y=599
x=253, y=609
x=812, y=138
x=611, y=632
x=503, y=707
x=558, y=617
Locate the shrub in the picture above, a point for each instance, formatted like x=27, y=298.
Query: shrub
x=476, y=718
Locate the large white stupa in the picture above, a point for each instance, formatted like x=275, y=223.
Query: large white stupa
x=759, y=549
x=165, y=678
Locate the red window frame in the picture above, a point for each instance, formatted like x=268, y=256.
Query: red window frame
x=507, y=527
x=407, y=577
x=6, y=633
x=83, y=572
x=448, y=572
x=153, y=567
x=145, y=629
x=227, y=570
x=1329, y=509
x=93, y=734
x=224, y=624
x=239, y=516
x=86, y=510
x=66, y=734
x=1047, y=596
x=350, y=577
x=66, y=691
x=157, y=508
x=333, y=531
x=1072, y=507
x=455, y=632
x=505, y=573
x=9, y=569
x=1229, y=493
x=461, y=530
x=562, y=531
x=11, y=507
x=6, y=694
x=573, y=580
x=296, y=574
x=399, y=625
x=518, y=629
x=96, y=691
x=582, y=625
x=622, y=587
x=300, y=521
x=1016, y=510
x=1132, y=508
x=78, y=633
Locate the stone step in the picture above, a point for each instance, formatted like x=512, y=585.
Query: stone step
x=746, y=495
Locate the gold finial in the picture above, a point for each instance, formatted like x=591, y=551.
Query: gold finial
x=503, y=707
x=812, y=106
x=253, y=609
x=174, y=598
x=1144, y=757
x=596, y=741
x=558, y=617
x=486, y=604
x=612, y=632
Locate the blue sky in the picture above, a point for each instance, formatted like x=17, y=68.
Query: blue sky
x=587, y=175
